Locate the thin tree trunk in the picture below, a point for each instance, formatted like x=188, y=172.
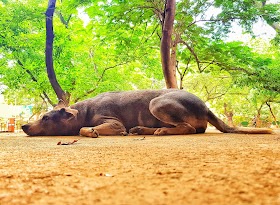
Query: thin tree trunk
x=229, y=115
x=61, y=95
x=258, y=117
x=271, y=112
x=169, y=67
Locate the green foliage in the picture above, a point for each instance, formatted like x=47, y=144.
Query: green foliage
x=87, y=60
x=218, y=89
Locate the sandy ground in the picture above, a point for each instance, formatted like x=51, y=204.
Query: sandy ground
x=211, y=168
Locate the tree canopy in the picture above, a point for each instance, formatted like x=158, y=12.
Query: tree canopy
x=115, y=45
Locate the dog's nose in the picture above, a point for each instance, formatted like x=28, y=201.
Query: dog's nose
x=25, y=127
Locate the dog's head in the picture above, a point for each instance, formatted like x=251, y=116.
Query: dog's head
x=60, y=121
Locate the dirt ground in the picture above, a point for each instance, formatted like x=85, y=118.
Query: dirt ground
x=211, y=168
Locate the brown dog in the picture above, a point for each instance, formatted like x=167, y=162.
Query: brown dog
x=145, y=112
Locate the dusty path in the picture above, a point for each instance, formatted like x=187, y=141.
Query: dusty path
x=212, y=168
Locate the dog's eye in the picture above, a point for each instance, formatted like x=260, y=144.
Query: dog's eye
x=45, y=118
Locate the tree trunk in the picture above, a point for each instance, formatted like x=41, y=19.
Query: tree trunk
x=258, y=122
x=271, y=112
x=168, y=65
x=229, y=115
x=61, y=95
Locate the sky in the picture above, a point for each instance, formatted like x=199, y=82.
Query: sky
x=260, y=29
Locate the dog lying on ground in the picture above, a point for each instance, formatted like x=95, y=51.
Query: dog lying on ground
x=143, y=112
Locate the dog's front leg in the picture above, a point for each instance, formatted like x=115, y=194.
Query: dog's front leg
x=107, y=128
x=89, y=132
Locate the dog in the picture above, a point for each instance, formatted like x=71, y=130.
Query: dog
x=141, y=112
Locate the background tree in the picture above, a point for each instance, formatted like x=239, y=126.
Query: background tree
x=61, y=95
x=168, y=63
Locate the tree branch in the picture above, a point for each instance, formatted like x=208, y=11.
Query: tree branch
x=193, y=53
x=65, y=22
x=35, y=80
x=213, y=20
x=99, y=80
x=210, y=63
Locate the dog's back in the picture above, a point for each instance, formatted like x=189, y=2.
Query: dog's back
x=129, y=107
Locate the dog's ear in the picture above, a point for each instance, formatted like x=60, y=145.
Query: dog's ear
x=69, y=113
x=60, y=105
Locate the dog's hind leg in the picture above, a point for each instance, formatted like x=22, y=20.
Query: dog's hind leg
x=171, y=111
x=141, y=130
x=180, y=129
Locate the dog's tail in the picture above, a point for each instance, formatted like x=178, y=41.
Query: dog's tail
x=223, y=127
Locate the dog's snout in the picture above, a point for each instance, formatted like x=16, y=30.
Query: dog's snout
x=25, y=127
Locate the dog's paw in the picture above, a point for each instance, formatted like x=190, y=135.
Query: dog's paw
x=124, y=133
x=138, y=130
x=161, y=131
x=89, y=132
